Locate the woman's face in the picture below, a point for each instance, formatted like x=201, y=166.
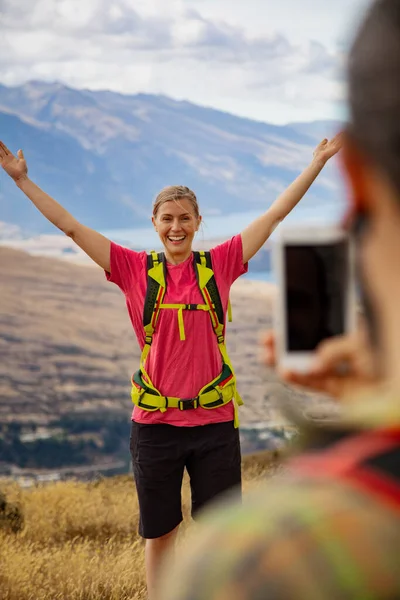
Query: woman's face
x=176, y=225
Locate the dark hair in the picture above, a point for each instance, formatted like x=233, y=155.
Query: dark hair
x=374, y=87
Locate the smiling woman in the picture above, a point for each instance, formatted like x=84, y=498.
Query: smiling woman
x=185, y=396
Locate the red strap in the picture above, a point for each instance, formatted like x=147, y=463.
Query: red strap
x=376, y=483
x=347, y=453
x=156, y=309
x=344, y=461
x=225, y=381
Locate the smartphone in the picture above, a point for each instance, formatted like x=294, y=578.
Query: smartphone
x=316, y=296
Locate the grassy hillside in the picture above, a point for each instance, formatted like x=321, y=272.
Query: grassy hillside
x=65, y=341
x=79, y=541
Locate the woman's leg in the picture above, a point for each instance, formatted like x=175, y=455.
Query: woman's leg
x=156, y=550
x=214, y=465
x=158, y=458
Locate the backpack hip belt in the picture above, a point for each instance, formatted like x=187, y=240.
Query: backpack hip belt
x=214, y=394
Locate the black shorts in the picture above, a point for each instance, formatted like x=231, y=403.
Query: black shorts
x=160, y=453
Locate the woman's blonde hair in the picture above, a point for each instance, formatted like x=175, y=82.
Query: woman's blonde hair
x=176, y=193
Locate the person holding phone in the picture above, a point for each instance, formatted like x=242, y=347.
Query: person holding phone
x=184, y=392
x=330, y=527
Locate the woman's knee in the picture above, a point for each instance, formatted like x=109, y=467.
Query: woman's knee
x=163, y=539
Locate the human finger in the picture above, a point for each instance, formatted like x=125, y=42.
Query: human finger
x=269, y=348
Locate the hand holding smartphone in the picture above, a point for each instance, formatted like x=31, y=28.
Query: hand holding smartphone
x=316, y=291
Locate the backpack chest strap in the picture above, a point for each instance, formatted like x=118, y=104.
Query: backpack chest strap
x=180, y=308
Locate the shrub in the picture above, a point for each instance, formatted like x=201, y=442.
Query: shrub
x=11, y=517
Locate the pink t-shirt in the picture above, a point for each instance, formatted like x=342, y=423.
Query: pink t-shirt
x=179, y=368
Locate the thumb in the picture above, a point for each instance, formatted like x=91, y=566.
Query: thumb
x=334, y=351
x=21, y=155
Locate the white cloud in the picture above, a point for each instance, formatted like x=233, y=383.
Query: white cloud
x=175, y=47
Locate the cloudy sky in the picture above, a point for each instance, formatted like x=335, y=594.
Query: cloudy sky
x=272, y=60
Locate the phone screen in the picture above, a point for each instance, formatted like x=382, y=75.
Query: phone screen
x=317, y=279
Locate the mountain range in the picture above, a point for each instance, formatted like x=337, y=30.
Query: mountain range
x=105, y=155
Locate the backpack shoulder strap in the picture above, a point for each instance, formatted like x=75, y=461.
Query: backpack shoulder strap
x=209, y=290
x=368, y=461
x=379, y=472
x=207, y=284
x=156, y=287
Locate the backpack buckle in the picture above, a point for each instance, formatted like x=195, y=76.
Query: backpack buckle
x=191, y=307
x=188, y=403
x=148, y=339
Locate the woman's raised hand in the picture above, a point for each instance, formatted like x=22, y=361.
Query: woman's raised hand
x=328, y=148
x=14, y=166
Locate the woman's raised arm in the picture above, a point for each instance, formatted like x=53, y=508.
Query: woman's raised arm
x=257, y=233
x=95, y=245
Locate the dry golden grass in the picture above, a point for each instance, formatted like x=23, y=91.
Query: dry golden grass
x=80, y=540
